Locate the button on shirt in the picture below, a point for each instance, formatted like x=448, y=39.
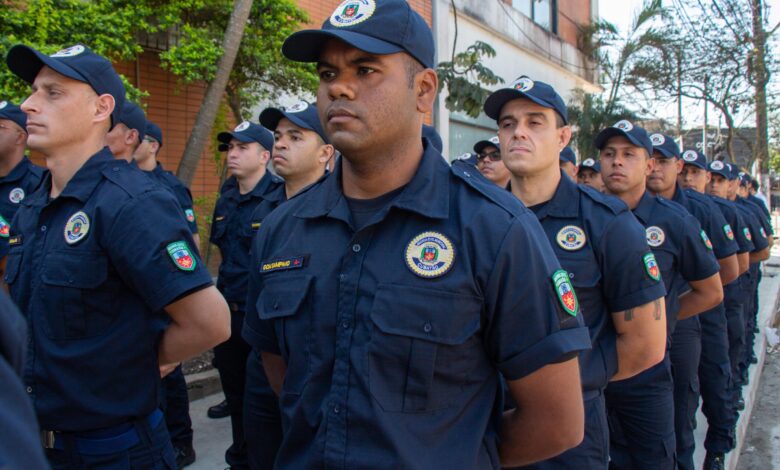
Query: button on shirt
x=602, y=246
x=675, y=237
x=179, y=191
x=394, y=336
x=88, y=269
x=232, y=232
x=20, y=183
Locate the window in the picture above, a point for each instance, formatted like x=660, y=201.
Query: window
x=542, y=12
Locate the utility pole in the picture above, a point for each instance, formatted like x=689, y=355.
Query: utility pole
x=679, y=100
x=704, y=129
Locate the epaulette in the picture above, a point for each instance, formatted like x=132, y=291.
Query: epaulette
x=500, y=196
x=130, y=179
x=614, y=204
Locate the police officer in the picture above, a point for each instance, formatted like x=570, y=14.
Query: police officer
x=489, y=161
x=176, y=401
x=569, y=163
x=94, y=254
x=686, y=351
x=125, y=137
x=381, y=291
x=641, y=408
x=248, y=151
x=145, y=157
x=18, y=176
x=300, y=156
x=601, y=245
x=589, y=174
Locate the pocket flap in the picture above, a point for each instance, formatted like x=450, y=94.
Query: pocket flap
x=428, y=314
x=12, y=265
x=282, y=295
x=81, y=270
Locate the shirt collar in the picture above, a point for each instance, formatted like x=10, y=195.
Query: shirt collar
x=644, y=209
x=427, y=193
x=18, y=171
x=565, y=202
x=679, y=196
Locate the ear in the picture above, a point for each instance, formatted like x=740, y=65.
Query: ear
x=132, y=137
x=426, y=84
x=564, y=134
x=709, y=177
x=104, y=106
x=21, y=138
x=679, y=163
x=326, y=153
x=265, y=155
x=650, y=166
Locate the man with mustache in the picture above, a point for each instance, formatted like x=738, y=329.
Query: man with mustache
x=386, y=316
x=248, y=149
x=641, y=409
x=598, y=242
x=489, y=161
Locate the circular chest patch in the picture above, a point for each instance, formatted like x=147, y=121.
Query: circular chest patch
x=657, y=139
x=70, y=51
x=16, y=195
x=430, y=254
x=76, y=228
x=655, y=236
x=746, y=231
x=352, y=12
x=571, y=238
x=689, y=156
x=523, y=84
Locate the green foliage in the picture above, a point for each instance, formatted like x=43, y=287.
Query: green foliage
x=590, y=113
x=464, y=77
x=260, y=70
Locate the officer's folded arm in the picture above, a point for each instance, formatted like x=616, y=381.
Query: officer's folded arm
x=758, y=256
x=729, y=269
x=549, y=418
x=275, y=368
x=641, y=338
x=704, y=295
x=199, y=321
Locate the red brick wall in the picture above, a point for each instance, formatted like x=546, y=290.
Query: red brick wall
x=319, y=10
x=571, y=14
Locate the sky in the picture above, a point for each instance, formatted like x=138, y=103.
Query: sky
x=621, y=14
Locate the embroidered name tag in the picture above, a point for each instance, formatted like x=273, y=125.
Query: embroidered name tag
x=281, y=264
x=15, y=240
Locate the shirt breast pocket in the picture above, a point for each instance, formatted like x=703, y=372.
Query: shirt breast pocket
x=218, y=229
x=282, y=302
x=12, y=266
x=76, y=304
x=424, y=349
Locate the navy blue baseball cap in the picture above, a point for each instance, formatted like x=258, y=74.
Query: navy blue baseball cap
x=665, y=145
x=133, y=117
x=720, y=168
x=591, y=164
x=482, y=144
x=567, y=155
x=374, y=26
x=734, y=171
x=744, y=178
x=13, y=113
x=470, y=158
x=153, y=130
x=77, y=62
x=538, y=92
x=248, y=132
x=695, y=158
x=635, y=134
x=429, y=132
x=302, y=114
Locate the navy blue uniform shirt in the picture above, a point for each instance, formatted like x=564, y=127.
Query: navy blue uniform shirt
x=182, y=194
x=232, y=232
x=21, y=182
x=765, y=226
x=395, y=336
x=760, y=203
x=602, y=246
x=752, y=229
x=711, y=219
x=88, y=269
x=683, y=252
x=735, y=224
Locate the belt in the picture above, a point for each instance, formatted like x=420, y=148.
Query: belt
x=107, y=441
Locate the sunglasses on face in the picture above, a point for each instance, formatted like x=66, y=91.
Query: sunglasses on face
x=493, y=156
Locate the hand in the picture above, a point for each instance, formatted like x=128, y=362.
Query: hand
x=166, y=369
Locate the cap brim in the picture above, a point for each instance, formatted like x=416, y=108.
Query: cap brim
x=270, y=118
x=226, y=137
x=664, y=153
x=26, y=62
x=305, y=46
x=499, y=98
x=610, y=132
x=696, y=164
x=480, y=146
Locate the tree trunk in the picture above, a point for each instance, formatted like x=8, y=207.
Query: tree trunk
x=216, y=89
x=760, y=80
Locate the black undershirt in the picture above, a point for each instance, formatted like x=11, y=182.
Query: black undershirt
x=364, y=210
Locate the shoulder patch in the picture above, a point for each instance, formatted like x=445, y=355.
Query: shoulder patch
x=651, y=266
x=181, y=255
x=706, y=239
x=5, y=227
x=728, y=232
x=565, y=292
x=746, y=232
